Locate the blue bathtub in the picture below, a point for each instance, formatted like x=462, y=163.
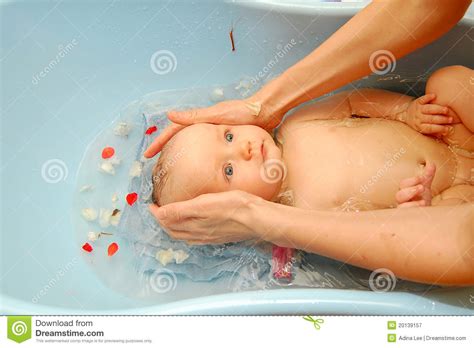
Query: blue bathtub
x=69, y=67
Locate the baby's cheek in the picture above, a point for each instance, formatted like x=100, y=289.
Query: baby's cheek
x=255, y=185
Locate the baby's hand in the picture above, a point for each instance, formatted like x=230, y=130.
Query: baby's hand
x=416, y=191
x=428, y=118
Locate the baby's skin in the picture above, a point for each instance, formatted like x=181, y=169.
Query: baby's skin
x=360, y=150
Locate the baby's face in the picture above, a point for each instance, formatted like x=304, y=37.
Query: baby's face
x=207, y=158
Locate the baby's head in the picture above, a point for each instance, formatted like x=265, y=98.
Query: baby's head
x=207, y=158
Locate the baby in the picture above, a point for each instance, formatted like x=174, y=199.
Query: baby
x=357, y=150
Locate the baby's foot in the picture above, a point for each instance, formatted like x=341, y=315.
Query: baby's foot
x=416, y=191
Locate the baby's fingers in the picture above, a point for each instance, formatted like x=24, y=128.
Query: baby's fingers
x=434, y=109
x=436, y=119
x=428, y=128
x=428, y=174
x=412, y=204
x=410, y=182
x=425, y=99
x=406, y=194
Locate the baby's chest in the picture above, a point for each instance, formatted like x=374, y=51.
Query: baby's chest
x=329, y=167
x=317, y=170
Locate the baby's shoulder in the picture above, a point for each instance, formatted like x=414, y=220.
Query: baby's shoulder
x=287, y=127
x=280, y=133
x=289, y=123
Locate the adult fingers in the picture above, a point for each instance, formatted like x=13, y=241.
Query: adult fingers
x=226, y=112
x=192, y=238
x=173, y=213
x=180, y=235
x=406, y=194
x=192, y=116
x=230, y=112
x=157, y=145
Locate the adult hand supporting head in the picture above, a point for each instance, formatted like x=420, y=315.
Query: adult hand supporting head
x=330, y=66
x=213, y=218
x=246, y=111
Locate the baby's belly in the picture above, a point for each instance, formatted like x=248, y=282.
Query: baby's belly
x=357, y=164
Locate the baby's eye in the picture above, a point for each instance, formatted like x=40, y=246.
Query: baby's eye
x=229, y=136
x=229, y=170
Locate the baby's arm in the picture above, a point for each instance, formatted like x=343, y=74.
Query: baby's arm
x=418, y=113
x=371, y=102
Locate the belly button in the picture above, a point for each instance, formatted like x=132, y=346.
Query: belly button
x=421, y=167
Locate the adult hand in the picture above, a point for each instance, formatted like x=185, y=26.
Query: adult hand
x=246, y=111
x=213, y=218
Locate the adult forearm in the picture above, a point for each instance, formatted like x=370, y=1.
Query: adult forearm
x=397, y=26
x=435, y=245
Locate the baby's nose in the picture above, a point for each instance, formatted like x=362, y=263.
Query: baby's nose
x=246, y=150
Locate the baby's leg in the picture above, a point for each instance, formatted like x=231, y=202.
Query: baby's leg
x=454, y=87
x=455, y=195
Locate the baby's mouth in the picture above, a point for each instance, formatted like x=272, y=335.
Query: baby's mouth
x=262, y=150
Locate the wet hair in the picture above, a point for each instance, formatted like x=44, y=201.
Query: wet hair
x=160, y=176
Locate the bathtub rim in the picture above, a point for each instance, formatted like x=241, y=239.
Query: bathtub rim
x=326, y=8
x=266, y=302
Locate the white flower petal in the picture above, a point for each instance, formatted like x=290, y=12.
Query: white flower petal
x=115, y=219
x=217, y=95
x=92, y=236
x=122, y=129
x=107, y=167
x=104, y=217
x=89, y=214
x=180, y=256
x=165, y=256
x=114, y=161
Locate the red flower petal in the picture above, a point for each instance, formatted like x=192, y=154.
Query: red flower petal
x=151, y=130
x=107, y=152
x=131, y=198
x=113, y=248
x=87, y=247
